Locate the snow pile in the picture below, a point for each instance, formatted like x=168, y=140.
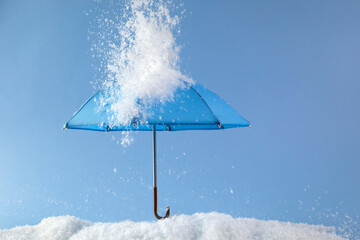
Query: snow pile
x=141, y=59
x=197, y=226
x=59, y=228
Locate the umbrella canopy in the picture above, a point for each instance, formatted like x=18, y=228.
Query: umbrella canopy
x=193, y=108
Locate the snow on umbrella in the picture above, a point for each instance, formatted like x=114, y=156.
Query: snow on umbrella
x=193, y=108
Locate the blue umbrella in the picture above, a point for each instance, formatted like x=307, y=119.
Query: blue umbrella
x=193, y=108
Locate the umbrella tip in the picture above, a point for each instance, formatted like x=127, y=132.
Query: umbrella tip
x=65, y=127
x=249, y=125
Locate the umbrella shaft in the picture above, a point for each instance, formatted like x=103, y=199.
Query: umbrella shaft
x=154, y=158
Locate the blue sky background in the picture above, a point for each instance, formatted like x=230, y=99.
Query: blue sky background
x=290, y=67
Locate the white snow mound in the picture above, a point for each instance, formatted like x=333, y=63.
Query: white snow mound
x=197, y=226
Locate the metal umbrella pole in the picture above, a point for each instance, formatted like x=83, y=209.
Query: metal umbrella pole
x=154, y=179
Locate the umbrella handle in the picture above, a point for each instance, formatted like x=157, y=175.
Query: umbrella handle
x=155, y=207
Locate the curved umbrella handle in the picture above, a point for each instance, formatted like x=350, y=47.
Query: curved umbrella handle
x=155, y=207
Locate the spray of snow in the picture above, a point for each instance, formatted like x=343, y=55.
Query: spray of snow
x=198, y=226
x=141, y=60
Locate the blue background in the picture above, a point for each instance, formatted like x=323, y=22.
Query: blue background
x=290, y=67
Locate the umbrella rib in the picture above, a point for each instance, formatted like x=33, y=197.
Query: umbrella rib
x=205, y=103
x=164, y=123
x=82, y=107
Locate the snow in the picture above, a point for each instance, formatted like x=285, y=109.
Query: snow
x=141, y=59
x=198, y=226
